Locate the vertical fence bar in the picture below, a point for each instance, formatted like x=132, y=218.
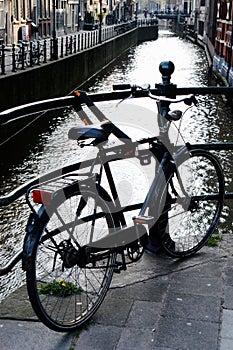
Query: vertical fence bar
x=51, y=49
x=67, y=39
x=71, y=44
x=85, y=40
x=22, y=55
x=13, y=59
x=37, y=53
x=62, y=47
x=30, y=54
x=45, y=51
x=82, y=41
x=78, y=42
x=75, y=43
x=3, y=71
x=94, y=38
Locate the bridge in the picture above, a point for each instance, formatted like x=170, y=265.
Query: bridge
x=167, y=16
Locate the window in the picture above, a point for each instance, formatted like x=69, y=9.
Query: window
x=202, y=2
x=2, y=24
x=16, y=10
x=29, y=9
x=23, y=14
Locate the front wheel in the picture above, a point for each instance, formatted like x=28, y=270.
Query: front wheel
x=194, y=201
x=65, y=294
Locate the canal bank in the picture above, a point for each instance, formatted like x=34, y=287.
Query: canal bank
x=60, y=77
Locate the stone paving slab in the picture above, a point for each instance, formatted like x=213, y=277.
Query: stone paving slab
x=186, y=335
x=158, y=303
x=227, y=330
x=20, y=335
x=17, y=306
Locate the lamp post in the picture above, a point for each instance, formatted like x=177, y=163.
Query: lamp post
x=54, y=34
x=100, y=22
x=230, y=54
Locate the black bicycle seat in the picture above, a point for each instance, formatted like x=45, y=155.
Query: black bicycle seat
x=87, y=132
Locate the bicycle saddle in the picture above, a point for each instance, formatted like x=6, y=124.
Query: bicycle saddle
x=87, y=132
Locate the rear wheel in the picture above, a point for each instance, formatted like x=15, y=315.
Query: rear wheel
x=194, y=200
x=63, y=294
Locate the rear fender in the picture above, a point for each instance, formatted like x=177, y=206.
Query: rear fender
x=33, y=231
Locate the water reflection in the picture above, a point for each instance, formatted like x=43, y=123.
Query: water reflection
x=50, y=148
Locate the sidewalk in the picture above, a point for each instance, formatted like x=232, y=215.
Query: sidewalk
x=158, y=303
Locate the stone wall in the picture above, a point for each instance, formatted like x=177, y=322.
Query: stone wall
x=59, y=78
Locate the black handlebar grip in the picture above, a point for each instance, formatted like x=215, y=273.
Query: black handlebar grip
x=121, y=87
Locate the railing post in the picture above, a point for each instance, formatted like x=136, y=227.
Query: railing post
x=100, y=22
x=3, y=60
x=75, y=43
x=23, y=55
x=71, y=45
x=85, y=41
x=51, y=49
x=13, y=59
x=62, y=47
x=67, y=39
x=54, y=54
x=81, y=41
x=78, y=42
x=45, y=51
x=95, y=37
x=31, y=53
x=37, y=53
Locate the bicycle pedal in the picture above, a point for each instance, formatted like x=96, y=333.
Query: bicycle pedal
x=146, y=220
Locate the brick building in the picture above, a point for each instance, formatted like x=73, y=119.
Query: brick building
x=223, y=59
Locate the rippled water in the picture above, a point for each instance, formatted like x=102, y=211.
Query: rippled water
x=51, y=148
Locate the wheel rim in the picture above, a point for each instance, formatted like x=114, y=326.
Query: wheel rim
x=66, y=297
x=192, y=218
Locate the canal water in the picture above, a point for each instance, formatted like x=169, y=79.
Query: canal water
x=47, y=148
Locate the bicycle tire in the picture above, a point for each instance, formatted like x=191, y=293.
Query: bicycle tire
x=66, y=311
x=19, y=61
x=41, y=56
x=190, y=214
x=27, y=59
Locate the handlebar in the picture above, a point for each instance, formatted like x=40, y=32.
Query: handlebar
x=188, y=99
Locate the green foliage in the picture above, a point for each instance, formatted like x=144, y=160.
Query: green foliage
x=213, y=240
x=59, y=288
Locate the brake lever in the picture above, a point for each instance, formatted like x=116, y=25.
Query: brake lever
x=143, y=87
x=191, y=100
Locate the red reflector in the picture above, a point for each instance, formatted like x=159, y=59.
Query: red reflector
x=41, y=197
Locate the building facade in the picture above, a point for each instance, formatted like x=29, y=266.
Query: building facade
x=223, y=59
x=34, y=19
x=212, y=21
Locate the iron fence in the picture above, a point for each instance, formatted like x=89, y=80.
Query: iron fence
x=27, y=54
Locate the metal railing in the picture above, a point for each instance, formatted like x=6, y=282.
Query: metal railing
x=27, y=54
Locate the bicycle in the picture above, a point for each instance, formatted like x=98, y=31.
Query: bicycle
x=36, y=54
x=77, y=235
x=22, y=55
